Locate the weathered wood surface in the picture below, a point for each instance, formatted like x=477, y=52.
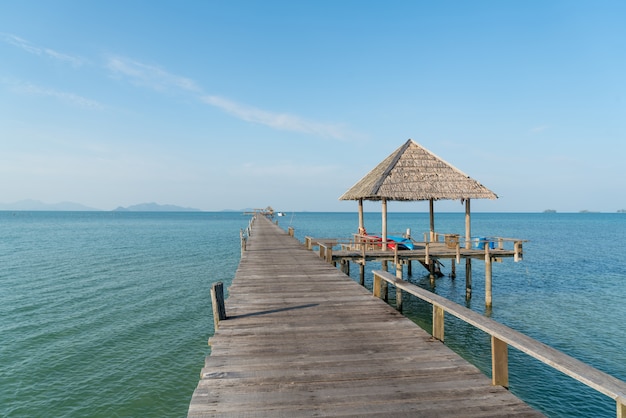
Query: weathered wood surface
x=303, y=339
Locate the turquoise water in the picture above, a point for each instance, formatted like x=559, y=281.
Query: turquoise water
x=107, y=314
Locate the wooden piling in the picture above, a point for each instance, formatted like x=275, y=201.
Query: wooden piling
x=384, y=286
x=362, y=273
x=217, y=302
x=488, y=271
x=468, y=278
x=399, y=291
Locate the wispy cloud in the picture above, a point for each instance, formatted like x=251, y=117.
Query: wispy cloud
x=150, y=76
x=280, y=121
x=158, y=79
x=38, y=50
x=539, y=129
x=28, y=88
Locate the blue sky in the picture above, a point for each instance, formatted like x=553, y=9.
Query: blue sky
x=236, y=104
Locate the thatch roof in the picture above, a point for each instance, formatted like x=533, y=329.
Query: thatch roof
x=413, y=173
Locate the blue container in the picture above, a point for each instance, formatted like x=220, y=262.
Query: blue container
x=479, y=242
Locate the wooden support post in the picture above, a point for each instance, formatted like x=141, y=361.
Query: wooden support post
x=438, y=320
x=361, y=223
x=488, y=271
x=431, y=207
x=376, y=285
x=290, y=231
x=452, y=269
x=409, y=267
x=243, y=241
x=431, y=269
x=621, y=408
x=468, y=225
x=345, y=266
x=217, y=302
x=518, y=251
x=399, y=269
x=499, y=362
x=384, y=207
x=395, y=254
x=362, y=273
x=384, y=288
x=399, y=291
x=468, y=278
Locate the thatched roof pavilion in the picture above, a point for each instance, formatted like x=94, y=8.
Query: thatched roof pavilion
x=413, y=173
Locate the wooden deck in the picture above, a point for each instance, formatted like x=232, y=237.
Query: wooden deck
x=303, y=339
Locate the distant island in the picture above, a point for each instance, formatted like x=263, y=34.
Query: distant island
x=549, y=211
x=37, y=205
x=155, y=207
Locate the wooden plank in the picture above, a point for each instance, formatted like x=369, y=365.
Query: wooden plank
x=303, y=339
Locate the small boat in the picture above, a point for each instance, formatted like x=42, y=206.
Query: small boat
x=392, y=241
x=280, y=213
x=403, y=243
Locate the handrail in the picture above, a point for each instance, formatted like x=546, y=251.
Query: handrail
x=244, y=234
x=503, y=336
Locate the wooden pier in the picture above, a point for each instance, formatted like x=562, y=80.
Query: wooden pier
x=300, y=338
x=361, y=249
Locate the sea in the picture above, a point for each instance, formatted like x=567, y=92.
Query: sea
x=107, y=314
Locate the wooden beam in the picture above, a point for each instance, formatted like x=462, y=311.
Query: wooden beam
x=499, y=362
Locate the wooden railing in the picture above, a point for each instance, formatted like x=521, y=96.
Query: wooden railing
x=502, y=337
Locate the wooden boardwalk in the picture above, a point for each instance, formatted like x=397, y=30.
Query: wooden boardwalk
x=303, y=339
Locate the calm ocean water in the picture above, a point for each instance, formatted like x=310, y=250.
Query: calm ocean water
x=107, y=314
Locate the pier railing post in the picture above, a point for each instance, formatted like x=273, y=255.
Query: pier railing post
x=621, y=407
x=499, y=362
x=243, y=241
x=438, y=322
x=217, y=302
x=376, y=285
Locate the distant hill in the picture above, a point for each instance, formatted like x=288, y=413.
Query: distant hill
x=37, y=205
x=155, y=207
